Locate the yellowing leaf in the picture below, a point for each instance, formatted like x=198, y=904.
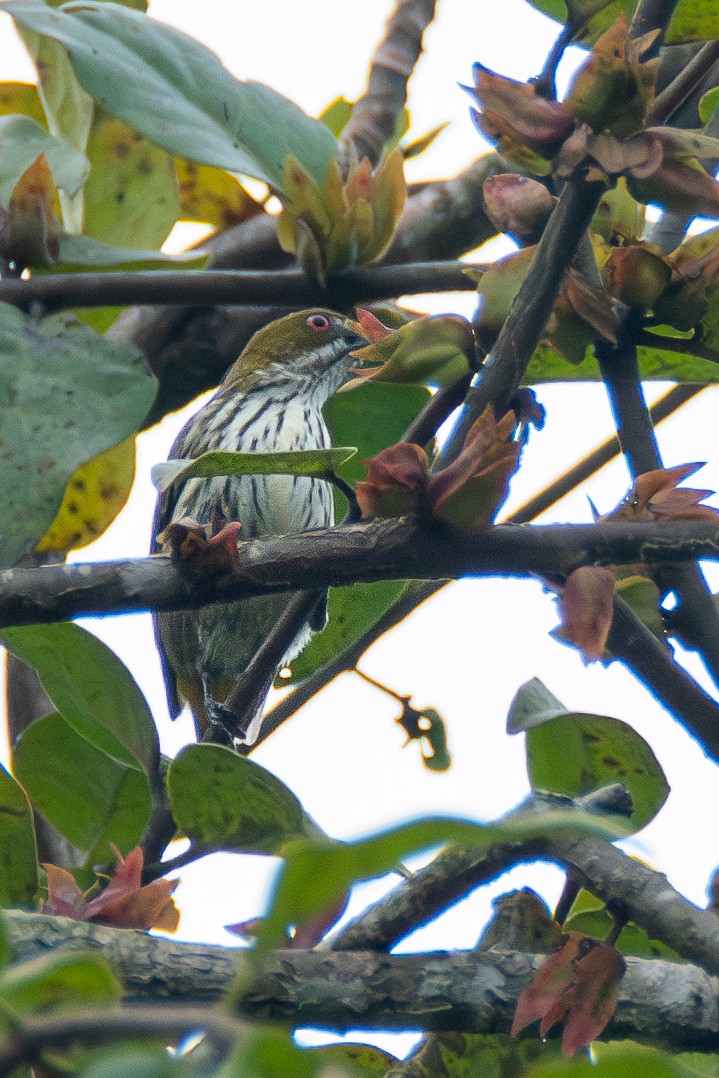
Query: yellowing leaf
x=93, y=497
x=212, y=196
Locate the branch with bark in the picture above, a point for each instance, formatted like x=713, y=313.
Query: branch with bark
x=391, y=549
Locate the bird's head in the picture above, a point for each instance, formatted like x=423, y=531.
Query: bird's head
x=306, y=349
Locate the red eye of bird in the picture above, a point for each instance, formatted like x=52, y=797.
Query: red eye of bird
x=318, y=322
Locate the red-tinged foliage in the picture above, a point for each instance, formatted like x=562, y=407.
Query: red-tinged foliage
x=370, y=326
x=656, y=495
x=468, y=493
x=124, y=903
x=395, y=482
x=552, y=979
x=28, y=229
x=578, y=986
x=586, y=605
x=518, y=205
x=516, y=111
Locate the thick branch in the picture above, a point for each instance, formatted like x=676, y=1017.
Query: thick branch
x=660, y=1002
x=375, y=115
x=377, y=550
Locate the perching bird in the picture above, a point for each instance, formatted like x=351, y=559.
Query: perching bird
x=271, y=401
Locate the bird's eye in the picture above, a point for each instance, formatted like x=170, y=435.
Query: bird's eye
x=318, y=322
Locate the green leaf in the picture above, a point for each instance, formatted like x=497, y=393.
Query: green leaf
x=58, y=980
x=693, y=20
x=336, y=115
x=572, y=753
x=655, y=364
x=131, y=195
x=301, y=462
x=86, y=252
x=21, y=97
x=124, y=1059
x=590, y=917
x=351, y=612
x=176, y=93
x=224, y=801
x=18, y=852
x=91, y=798
x=70, y=394
x=67, y=109
x=318, y=872
x=554, y=9
x=708, y=105
x=91, y=688
x=6, y=949
x=22, y=140
x=625, y=1059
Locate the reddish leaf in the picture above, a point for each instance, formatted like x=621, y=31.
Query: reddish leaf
x=395, y=481
x=680, y=185
x=468, y=493
x=586, y=605
x=593, y=997
x=550, y=982
x=370, y=326
x=124, y=903
x=655, y=495
x=577, y=985
x=518, y=205
x=517, y=111
x=310, y=932
x=64, y=897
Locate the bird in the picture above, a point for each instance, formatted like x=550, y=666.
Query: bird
x=270, y=400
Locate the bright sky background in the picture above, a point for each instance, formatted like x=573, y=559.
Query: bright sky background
x=467, y=651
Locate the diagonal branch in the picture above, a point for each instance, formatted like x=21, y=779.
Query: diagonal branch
x=374, y=116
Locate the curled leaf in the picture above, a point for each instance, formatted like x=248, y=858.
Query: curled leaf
x=124, y=903
x=516, y=112
x=395, y=482
x=613, y=89
x=517, y=205
x=586, y=605
x=637, y=274
x=438, y=349
x=28, y=229
x=348, y=219
x=656, y=495
x=469, y=492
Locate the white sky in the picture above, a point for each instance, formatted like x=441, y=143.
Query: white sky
x=467, y=651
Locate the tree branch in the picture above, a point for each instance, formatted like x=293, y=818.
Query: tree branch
x=235, y=287
x=377, y=550
x=663, y=1003
x=375, y=115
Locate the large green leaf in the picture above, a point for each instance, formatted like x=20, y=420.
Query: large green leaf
x=22, y=140
x=693, y=20
x=224, y=801
x=317, y=872
x=176, y=92
x=572, y=753
x=18, y=853
x=131, y=195
x=69, y=394
x=58, y=980
x=655, y=364
x=351, y=612
x=85, y=252
x=91, y=688
x=91, y=798
x=590, y=916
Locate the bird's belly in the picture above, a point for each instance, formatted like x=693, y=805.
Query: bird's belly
x=265, y=504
